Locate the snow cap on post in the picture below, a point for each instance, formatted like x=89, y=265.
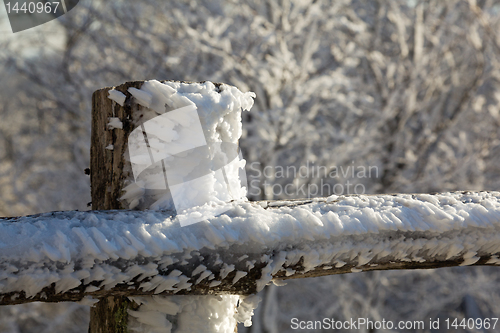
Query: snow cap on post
x=183, y=149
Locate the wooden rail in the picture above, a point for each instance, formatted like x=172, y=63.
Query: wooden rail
x=476, y=241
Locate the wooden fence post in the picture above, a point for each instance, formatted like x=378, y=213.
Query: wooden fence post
x=112, y=171
x=107, y=173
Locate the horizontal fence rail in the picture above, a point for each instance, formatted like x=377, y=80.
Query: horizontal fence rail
x=66, y=256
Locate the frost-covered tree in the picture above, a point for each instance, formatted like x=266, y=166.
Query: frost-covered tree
x=408, y=88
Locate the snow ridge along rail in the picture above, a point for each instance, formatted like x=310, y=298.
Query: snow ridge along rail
x=66, y=256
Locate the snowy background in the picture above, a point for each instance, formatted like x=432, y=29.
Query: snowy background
x=409, y=88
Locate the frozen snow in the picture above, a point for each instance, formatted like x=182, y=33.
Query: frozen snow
x=110, y=248
x=208, y=314
x=184, y=148
x=117, y=96
x=102, y=249
x=115, y=122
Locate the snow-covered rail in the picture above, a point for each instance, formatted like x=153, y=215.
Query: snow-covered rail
x=67, y=256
